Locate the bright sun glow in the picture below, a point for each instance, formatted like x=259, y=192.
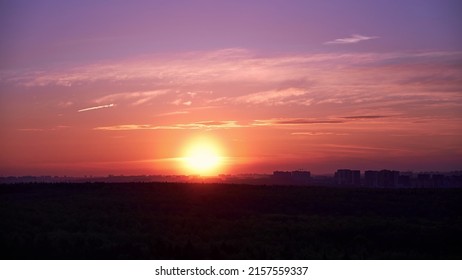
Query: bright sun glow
x=203, y=157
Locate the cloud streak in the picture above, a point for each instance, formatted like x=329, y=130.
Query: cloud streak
x=274, y=97
x=135, y=98
x=173, y=113
x=312, y=133
x=96, y=108
x=294, y=121
x=359, y=85
x=193, y=126
x=353, y=39
x=365, y=117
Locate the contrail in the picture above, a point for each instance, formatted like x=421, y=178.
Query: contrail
x=96, y=108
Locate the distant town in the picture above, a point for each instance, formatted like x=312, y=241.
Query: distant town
x=341, y=178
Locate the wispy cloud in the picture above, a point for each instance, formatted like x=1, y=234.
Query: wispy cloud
x=173, y=113
x=180, y=101
x=213, y=124
x=136, y=127
x=294, y=121
x=134, y=97
x=317, y=133
x=361, y=148
x=32, y=129
x=273, y=97
x=365, y=117
x=194, y=125
x=312, y=133
x=282, y=122
x=96, y=108
x=353, y=39
x=65, y=104
x=326, y=82
x=58, y=127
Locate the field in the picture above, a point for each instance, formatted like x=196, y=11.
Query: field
x=214, y=221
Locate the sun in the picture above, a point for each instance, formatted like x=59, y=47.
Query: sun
x=203, y=157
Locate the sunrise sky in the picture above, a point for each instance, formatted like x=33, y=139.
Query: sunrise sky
x=129, y=87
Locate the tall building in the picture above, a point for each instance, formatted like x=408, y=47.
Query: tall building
x=292, y=177
x=438, y=180
x=301, y=177
x=383, y=179
x=424, y=180
x=388, y=178
x=347, y=177
x=283, y=176
x=404, y=181
x=371, y=178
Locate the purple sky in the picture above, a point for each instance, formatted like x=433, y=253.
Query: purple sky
x=37, y=33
